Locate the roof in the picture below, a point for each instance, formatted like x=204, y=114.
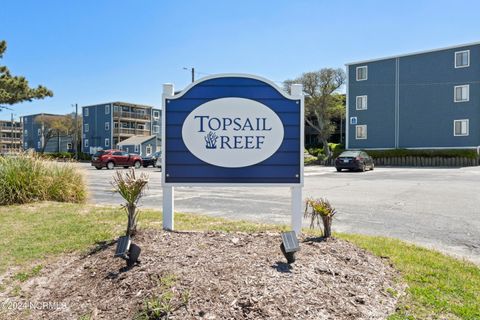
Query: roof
x=135, y=140
x=415, y=53
x=45, y=114
x=119, y=103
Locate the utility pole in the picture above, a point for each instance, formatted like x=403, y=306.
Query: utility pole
x=75, y=136
x=11, y=135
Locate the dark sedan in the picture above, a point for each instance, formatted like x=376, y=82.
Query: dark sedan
x=354, y=160
x=151, y=159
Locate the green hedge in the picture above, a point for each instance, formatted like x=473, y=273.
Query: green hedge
x=336, y=148
x=447, y=153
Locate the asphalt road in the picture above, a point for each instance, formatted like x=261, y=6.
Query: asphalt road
x=434, y=207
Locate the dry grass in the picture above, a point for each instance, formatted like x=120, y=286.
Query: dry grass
x=27, y=178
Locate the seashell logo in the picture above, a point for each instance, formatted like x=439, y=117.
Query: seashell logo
x=232, y=132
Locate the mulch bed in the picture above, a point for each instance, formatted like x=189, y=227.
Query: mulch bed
x=219, y=276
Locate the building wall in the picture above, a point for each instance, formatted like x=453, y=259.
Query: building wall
x=59, y=144
x=411, y=101
x=380, y=114
x=156, y=123
x=95, y=137
x=154, y=143
x=32, y=137
x=8, y=144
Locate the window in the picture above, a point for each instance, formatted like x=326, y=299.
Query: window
x=26, y=132
x=107, y=142
x=156, y=114
x=107, y=109
x=362, y=73
x=39, y=144
x=69, y=146
x=148, y=149
x=361, y=103
x=25, y=120
x=156, y=129
x=462, y=93
x=39, y=132
x=361, y=132
x=462, y=59
x=86, y=127
x=26, y=145
x=460, y=127
x=136, y=148
x=158, y=148
x=85, y=111
x=353, y=120
x=86, y=143
x=107, y=126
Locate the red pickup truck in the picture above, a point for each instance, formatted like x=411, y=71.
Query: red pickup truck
x=115, y=158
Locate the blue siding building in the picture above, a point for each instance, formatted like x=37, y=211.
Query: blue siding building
x=34, y=131
x=424, y=100
x=141, y=145
x=105, y=125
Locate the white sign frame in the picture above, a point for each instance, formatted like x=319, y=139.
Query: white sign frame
x=296, y=188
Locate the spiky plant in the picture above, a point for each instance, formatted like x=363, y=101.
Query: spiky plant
x=131, y=187
x=321, y=213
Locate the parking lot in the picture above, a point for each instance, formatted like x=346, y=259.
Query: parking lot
x=434, y=207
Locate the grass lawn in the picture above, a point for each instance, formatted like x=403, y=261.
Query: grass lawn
x=439, y=287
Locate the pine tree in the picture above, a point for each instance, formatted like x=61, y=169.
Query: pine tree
x=15, y=89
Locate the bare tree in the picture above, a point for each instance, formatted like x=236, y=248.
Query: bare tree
x=321, y=104
x=54, y=126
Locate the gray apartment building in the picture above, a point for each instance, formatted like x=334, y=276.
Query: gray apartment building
x=10, y=136
x=422, y=100
x=107, y=124
x=35, y=132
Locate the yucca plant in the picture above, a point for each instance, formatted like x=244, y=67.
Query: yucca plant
x=320, y=212
x=131, y=187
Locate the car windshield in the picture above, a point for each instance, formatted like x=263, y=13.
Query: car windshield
x=99, y=153
x=350, y=154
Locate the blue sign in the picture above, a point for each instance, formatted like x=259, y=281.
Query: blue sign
x=232, y=129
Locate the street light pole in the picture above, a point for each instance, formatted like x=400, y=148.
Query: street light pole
x=192, y=69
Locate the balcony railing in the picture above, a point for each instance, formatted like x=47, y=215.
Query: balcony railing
x=9, y=140
x=133, y=132
x=9, y=129
x=131, y=115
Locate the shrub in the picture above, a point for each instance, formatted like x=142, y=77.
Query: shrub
x=321, y=212
x=27, y=178
x=84, y=156
x=447, y=153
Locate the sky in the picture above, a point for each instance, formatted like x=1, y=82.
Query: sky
x=94, y=51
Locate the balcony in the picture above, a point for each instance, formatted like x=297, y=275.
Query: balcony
x=9, y=140
x=136, y=116
x=130, y=132
x=9, y=129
